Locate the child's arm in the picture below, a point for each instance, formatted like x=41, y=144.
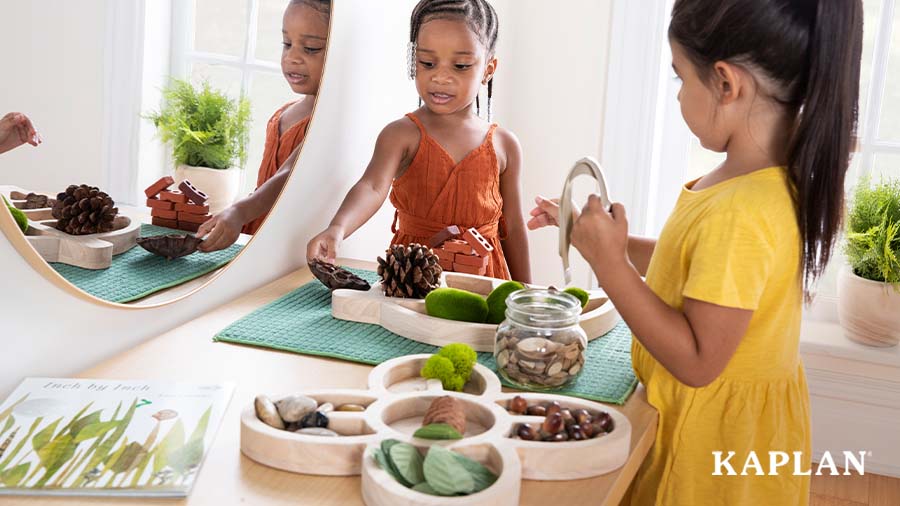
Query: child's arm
x=515, y=246
x=367, y=195
x=640, y=249
x=694, y=345
x=223, y=229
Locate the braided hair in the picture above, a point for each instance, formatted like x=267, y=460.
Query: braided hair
x=478, y=15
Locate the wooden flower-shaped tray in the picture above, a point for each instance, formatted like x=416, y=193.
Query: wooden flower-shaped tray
x=408, y=318
x=396, y=403
x=93, y=251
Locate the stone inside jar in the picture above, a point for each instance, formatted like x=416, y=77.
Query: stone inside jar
x=540, y=361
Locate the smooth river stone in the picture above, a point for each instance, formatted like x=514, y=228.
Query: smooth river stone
x=317, y=431
x=351, y=407
x=294, y=407
x=266, y=411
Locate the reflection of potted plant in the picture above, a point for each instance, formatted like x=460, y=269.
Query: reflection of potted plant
x=209, y=134
x=869, y=289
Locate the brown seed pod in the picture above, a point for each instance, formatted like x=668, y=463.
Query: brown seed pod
x=335, y=277
x=447, y=410
x=170, y=245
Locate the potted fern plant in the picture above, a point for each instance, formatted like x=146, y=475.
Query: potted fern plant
x=208, y=132
x=869, y=287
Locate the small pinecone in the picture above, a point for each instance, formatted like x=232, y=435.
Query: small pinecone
x=409, y=271
x=82, y=210
x=35, y=201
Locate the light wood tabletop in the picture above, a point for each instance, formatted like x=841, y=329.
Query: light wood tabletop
x=187, y=353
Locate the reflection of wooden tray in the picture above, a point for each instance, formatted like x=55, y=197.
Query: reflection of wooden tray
x=396, y=403
x=407, y=317
x=93, y=251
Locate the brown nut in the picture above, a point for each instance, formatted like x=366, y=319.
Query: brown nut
x=582, y=416
x=605, y=421
x=526, y=432
x=536, y=410
x=518, y=405
x=553, y=423
x=553, y=407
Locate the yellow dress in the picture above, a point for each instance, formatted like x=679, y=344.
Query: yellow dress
x=734, y=244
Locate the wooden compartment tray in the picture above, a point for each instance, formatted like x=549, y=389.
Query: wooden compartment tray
x=408, y=318
x=93, y=251
x=396, y=402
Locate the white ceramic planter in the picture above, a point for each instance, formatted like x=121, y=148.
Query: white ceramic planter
x=869, y=311
x=220, y=185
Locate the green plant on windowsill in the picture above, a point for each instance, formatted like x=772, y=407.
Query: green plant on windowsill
x=205, y=127
x=873, y=232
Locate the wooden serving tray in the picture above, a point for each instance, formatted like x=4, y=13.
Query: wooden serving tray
x=93, y=251
x=396, y=403
x=408, y=318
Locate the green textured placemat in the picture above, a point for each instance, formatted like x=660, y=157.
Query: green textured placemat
x=138, y=273
x=301, y=322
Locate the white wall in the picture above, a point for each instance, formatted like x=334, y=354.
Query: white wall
x=550, y=91
x=52, y=68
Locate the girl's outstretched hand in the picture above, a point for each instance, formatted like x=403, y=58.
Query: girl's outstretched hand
x=221, y=231
x=544, y=214
x=16, y=129
x=601, y=236
x=325, y=245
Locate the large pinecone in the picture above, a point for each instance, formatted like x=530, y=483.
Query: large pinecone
x=82, y=210
x=409, y=271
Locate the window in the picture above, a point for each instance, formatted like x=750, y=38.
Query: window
x=670, y=155
x=236, y=46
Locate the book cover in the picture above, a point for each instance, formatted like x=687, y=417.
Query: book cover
x=64, y=436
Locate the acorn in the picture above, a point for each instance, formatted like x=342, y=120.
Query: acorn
x=518, y=405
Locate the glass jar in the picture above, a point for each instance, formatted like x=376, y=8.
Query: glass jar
x=540, y=344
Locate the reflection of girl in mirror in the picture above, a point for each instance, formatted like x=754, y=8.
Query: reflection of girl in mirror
x=774, y=84
x=304, y=30
x=443, y=165
x=16, y=129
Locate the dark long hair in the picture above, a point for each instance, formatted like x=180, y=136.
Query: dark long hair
x=323, y=6
x=478, y=15
x=810, y=50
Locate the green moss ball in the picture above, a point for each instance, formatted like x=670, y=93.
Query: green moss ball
x=455, y=304
x=579, y=294
x=496, y=301
x=19, y=216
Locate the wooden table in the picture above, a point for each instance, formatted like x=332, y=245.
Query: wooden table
x=187, y=353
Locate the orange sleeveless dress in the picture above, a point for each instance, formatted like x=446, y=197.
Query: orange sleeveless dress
x=436, y=192
x=278, y=148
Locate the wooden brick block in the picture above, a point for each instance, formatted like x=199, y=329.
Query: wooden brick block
x=444, y=255
x=469, y=269
x=162, y=222
x=173, y=196
x=193, y=193
x=192, y=208
x=458, y=246
x=447, y=265
x=478, y=242
x=451, y=232
x=165, y=214
x=193, y=218
x=188, y=226
x=160, y=185
x=473, y=260
x=155, y=203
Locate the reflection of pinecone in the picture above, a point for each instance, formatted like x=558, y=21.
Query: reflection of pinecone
x=409, y=271
x=35, y=201
x=84, y=209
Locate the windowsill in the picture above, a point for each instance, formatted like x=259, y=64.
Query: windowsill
x=827, y=339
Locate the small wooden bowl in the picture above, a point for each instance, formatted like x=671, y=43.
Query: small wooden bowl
x=308, y=454
x=401, y=375
x=381, y=489
x=568, y=460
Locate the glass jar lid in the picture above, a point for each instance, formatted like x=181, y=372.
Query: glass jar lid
x=543, y=308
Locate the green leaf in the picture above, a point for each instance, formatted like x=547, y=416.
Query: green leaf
x=11, y=477
x=445, y=474
x=9, y=423
x=95, y=430
x=81, y=423
x=8, y=411
x=129, y=458
x=54, y=455
x=386, y=446
x=173, y=440
x=483, y=476
x=37, y=421
x=101, y=454
x=425, y=488
x=437, y=431
x=186, y=457
x=408, y=462
x=43, y=437
x=77, y=417
x=200, y=430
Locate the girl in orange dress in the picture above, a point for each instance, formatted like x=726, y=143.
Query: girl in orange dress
x=442, y=164
x=305, y=31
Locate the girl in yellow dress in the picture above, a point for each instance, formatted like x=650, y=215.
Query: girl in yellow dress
x=774, y=84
